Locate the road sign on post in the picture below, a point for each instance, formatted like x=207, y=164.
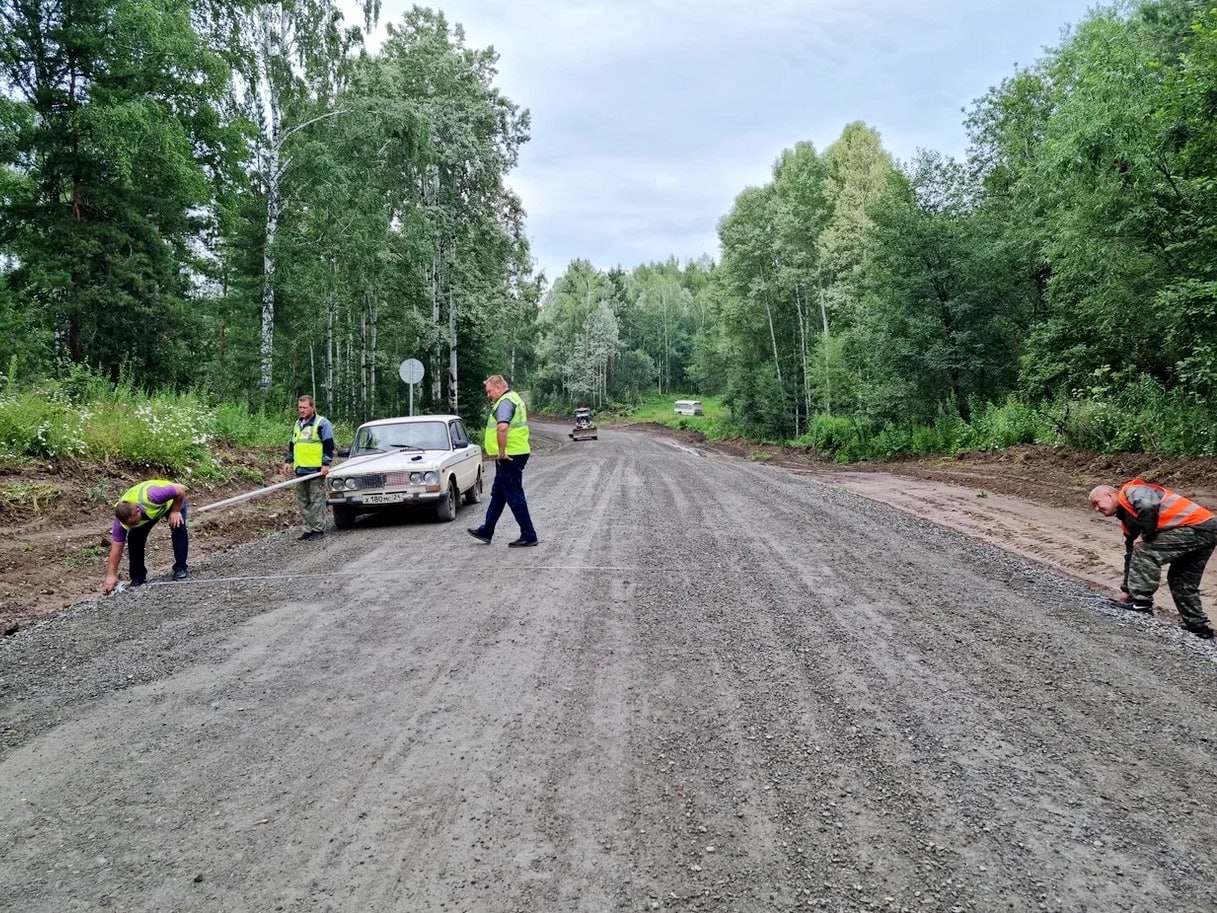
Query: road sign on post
x=411, y=371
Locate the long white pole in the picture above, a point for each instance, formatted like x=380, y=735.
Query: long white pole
x=250, y=495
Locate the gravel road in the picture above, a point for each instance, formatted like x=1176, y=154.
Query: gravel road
x=715, y=686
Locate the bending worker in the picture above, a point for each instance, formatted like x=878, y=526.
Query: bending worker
x=1172, y=530
x=135, y=514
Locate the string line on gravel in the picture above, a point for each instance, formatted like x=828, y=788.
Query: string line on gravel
x=199, y=581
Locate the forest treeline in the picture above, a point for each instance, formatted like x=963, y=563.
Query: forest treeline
x=242, y=201
x=238, y=198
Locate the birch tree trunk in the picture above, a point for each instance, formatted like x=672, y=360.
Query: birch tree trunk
x=272, y=29
x=363, y=357
x=375, y=318
x=453, y=396
x=824, y=346
x=798, y=306
x=331, y=308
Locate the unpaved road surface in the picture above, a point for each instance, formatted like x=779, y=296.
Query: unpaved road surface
x=716, y=685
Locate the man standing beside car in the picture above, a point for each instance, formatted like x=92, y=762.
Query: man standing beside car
x=310, y=451
x=506, y=439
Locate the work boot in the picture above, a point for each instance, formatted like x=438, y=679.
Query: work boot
x=1203, y=631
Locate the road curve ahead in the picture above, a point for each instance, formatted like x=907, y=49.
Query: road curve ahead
x=714, y=686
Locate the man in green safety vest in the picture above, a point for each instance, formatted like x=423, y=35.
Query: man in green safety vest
x=310, y=451
x=135, y=514
x=506, y=440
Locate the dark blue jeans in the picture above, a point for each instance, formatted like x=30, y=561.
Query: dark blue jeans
x=137, y=541
x=508, y=490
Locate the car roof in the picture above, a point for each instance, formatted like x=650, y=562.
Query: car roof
x=406, y=419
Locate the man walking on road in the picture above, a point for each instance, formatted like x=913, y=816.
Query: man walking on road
x=1174, y=531
x=134, y=516
x=311, y=450
x=506, y=440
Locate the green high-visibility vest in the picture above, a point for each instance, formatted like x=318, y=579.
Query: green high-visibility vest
x=138, y=494
x=517, y=430
x=308, y=452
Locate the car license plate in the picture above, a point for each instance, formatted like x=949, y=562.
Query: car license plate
x=387, y=498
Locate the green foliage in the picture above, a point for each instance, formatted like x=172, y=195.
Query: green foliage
x=997, y=426
x=114, y=140
x=83, y=417
x=41, y=424
x=237, y=424
x=1140, y=415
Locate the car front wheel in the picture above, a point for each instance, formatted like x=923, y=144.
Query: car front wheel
x=445, y=509
x=344, y=517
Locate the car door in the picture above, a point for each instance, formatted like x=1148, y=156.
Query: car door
x=467, y=458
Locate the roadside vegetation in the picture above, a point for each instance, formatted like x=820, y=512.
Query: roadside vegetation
x=1142, y=419
x=86, y=419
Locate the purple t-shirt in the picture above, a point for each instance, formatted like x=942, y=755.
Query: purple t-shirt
x=157, y=494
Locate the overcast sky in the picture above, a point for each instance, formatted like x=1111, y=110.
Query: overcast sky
x=648, y=118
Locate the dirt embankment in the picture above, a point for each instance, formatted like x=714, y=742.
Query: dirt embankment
x=58, y=519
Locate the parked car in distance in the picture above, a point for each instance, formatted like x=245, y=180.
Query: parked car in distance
x=688, y=407
x=420, y=460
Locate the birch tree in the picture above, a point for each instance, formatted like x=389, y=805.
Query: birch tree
x=298, y=50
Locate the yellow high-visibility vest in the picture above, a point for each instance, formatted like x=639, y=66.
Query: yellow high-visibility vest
x=308, y=451
x=138, y=494
x=517, y=430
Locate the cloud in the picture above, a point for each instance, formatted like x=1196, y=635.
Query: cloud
x=648, y=118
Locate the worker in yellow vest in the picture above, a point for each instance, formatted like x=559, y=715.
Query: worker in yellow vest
x=135, y=514
x=310, y=451
x=506, y=439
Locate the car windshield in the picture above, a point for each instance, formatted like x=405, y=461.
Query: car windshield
x=425, y=435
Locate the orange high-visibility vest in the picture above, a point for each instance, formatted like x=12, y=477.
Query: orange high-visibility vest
x=1174, y=510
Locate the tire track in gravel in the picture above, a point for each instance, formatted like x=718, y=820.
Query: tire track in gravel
x=984, y=645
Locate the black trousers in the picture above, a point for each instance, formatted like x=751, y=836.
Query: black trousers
x=137, y=541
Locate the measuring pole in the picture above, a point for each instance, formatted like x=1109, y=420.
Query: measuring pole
x=250, y=495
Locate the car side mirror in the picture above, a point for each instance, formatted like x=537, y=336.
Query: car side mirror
x=344, y=452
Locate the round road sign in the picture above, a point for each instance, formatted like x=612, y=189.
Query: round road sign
x=411, y=370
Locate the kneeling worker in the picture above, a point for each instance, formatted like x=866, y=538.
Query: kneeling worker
x=134, y=516
x=1174, y=531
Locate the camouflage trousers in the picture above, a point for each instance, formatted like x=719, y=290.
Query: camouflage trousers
x=1187, y=550
x=310, y=498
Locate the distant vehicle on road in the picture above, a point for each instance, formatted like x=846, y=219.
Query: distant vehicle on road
x=688, y=407
x=585, y=430
x=421, y=460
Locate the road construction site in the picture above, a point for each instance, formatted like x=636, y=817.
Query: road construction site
x=717, y=685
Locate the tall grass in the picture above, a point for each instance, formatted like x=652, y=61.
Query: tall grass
x=83, y=418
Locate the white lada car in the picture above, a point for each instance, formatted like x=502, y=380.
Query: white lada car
x=394, y=462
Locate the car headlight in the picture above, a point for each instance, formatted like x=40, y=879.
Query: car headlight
x=336, y=484
x=431, y=477
x=416, y=477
